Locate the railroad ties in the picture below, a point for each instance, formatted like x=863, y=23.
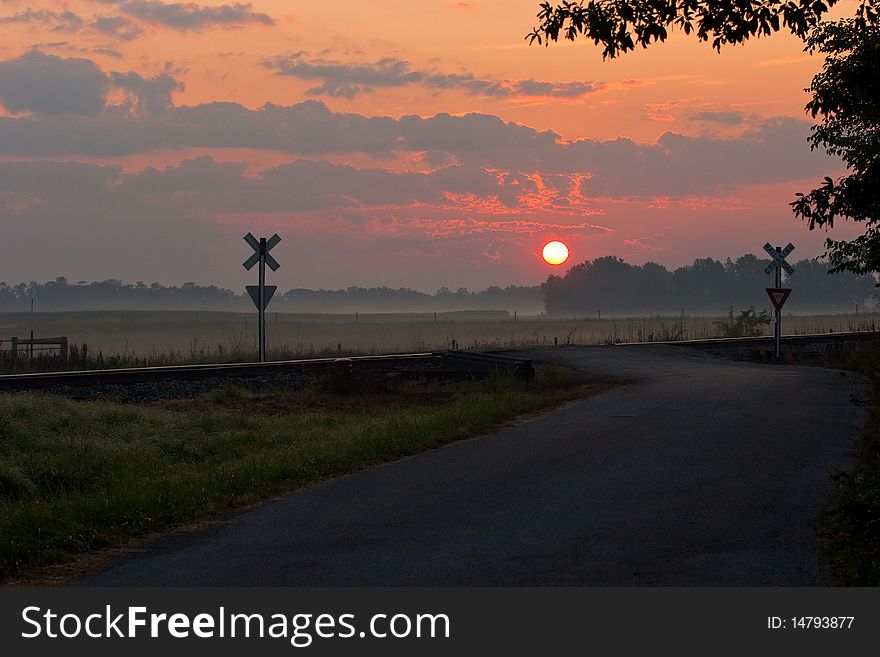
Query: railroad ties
x=344, y=373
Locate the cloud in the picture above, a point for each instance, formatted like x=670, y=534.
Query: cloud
x=150, y=95
x=110, y=52
x=558, y=89
x=117, y=27
x=307, y=186
x=189, y=16
x=64, y=21
x=342, y=224
x=566, y=171
x=676, y=165
x=308, y=128
x=679, y=165
x=650, y=243
x=458, y=228
x=452, y=201
x=723, y=118
x=81, y=218
x=47, y=84
x=349, y=80
x=35, y=180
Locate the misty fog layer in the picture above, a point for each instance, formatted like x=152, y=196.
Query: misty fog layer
x=605, y=285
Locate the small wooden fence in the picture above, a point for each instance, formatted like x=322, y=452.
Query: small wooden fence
x=15, y=348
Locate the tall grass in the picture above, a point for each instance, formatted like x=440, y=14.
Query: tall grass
x=134, y=339
x=850, y=526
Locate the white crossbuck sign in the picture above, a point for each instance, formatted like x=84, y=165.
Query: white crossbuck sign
x=779, y=258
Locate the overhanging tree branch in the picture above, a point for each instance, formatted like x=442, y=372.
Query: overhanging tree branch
x=620, y=25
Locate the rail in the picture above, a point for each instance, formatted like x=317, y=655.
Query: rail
x=442, y=364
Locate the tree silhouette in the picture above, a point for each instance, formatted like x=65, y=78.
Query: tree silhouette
x=607, y=284
x=846, y=93
x=615, y=287
x=620, y=25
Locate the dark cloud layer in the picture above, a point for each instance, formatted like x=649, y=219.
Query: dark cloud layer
x=203, y=186
x=69, y=117
x=151, y=95
x=774, y=151
x=117, y=27
x=82, y=216
x=348, y=80
x=724, y=118
x=63, y=21
x=189, y=16
x=308, y=128
x=180, y=16
x=46, y=84
x=50, y=86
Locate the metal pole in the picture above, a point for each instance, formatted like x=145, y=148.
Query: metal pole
x=31, y=355
x=778, y=312
x=262, y=299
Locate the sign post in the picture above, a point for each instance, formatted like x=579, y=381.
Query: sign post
x=261, y=294
x=778, y=294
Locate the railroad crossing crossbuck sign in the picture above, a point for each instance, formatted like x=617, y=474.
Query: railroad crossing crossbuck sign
x=779, y=259
x=778, y=294
x=255, y=245
x=262, y=293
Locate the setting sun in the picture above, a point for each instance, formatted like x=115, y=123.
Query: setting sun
x=555, y=253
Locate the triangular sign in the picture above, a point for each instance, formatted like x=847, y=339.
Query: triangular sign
x=778, y=295
x=254, y=291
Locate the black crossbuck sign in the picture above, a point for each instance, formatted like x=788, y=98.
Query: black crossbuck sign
x=779, y=259
x=255, y=245
x=778, y=294
x=262, y=293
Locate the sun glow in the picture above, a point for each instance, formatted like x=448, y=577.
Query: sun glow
x=555, y=253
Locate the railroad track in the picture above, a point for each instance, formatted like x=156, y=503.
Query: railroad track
x=431, y=364
x=435, y=364
x=810, y=338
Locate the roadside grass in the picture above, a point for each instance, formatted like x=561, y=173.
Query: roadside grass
x=849, y=529
x=79, y=476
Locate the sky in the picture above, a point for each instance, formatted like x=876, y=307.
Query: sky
x=407, y=144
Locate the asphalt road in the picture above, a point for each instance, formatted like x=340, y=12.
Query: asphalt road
x=704, y=472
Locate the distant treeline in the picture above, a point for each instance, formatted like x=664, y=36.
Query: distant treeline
x=607, y=285
x=613, y=287
x=60, y=295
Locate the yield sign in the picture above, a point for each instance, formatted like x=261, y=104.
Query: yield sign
x=254, y=291
x=778, y=295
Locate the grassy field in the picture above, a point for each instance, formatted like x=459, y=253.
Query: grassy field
x=180, y=337
x=78, y=476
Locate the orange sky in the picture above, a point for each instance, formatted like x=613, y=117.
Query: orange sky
x=647, y=93
x=449, y=225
